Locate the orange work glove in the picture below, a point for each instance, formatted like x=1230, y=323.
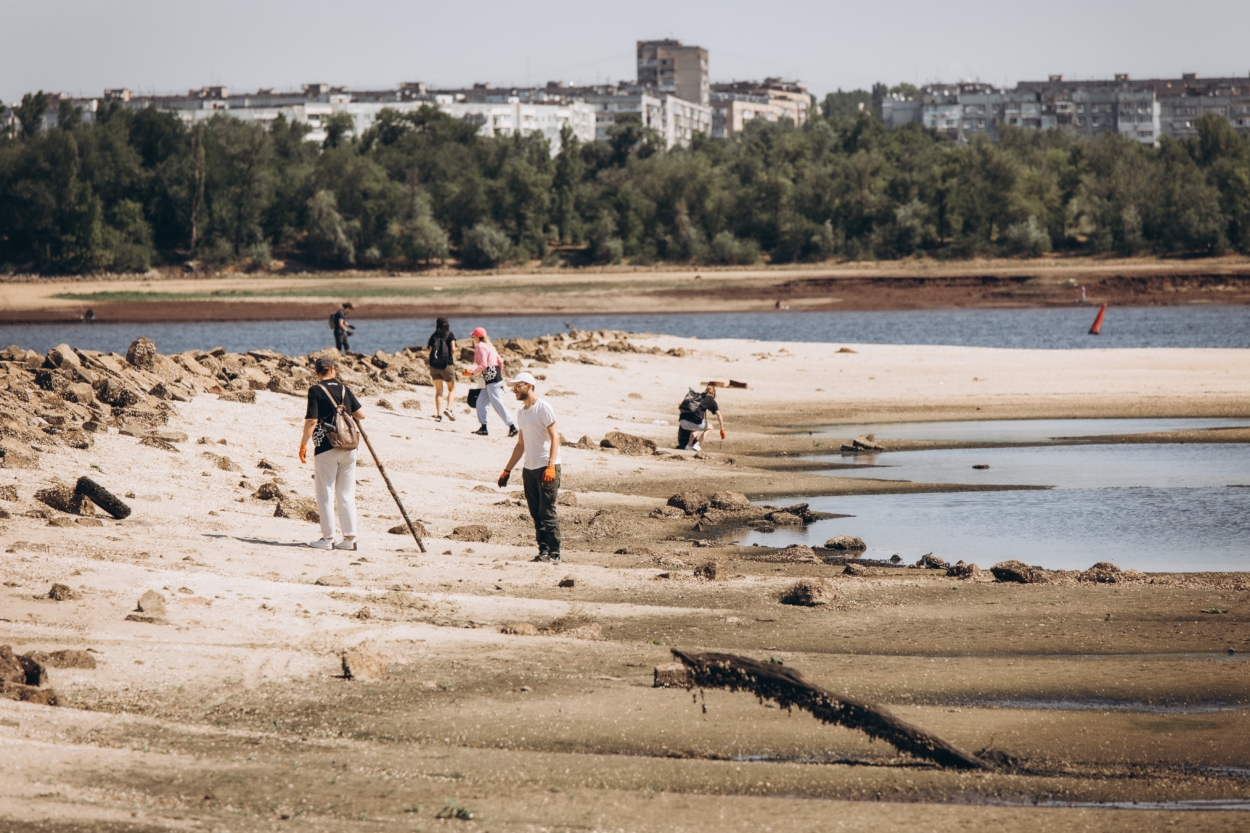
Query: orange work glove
x=549, y=474
x=303, y=454
x=503, y=478
x=466, y=373
x=722, y=433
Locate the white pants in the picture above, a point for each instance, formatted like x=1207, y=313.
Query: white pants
x=492, y=393
x=334, y=477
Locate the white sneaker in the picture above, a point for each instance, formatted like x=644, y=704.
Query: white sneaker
x=350, y=546
x=697, y=447
x=322, y=544
x=447, y=413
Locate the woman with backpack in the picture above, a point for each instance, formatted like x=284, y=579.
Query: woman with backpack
x=442, y=362
x=692, y=418
x=327, y=424
x=487, y=361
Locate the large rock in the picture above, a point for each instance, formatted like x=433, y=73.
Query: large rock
x=151, y=603
x=846, y=543
x=62, y=593
x=929, y=561
x=1017, y=571
x=729, y=501
x=11, y=668
x=809, y=593
x=784, y=519
x=628, y=444
x=142, y=353
x=692, y=501
x=473, y=533
x=962, y=570
x=671, y=675
x=63, y=356
x=1104, y=572
x=112, y=391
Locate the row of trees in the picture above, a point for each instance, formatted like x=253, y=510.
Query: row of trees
x=135, y=188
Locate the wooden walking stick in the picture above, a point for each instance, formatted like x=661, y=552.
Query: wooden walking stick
x=387, y=481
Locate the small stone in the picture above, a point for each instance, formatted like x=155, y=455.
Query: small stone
x=332, y=581
x=152, y=603
x=709, y=570
x=692, y=502
x=628, y=444
x=519, y=629
x=142, y=353
x=61, y=522
x=567, y=499
x=402, y=529
x=858, y=570
x=929, y=561
x=364, y=664
x=363, y=613
x=269, y=491
x=567, y=581
x=88, y=522
x=265, y=464
x=962, y=570
x=8, y=492
x=671, y=675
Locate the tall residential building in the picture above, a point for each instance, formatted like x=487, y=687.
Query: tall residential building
x=672, y=68
x=735, y=104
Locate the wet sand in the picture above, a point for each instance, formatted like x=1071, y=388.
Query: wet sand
x=234, y=716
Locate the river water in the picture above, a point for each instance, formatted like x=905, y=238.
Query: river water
x=1188, y=326
x=1153, y=507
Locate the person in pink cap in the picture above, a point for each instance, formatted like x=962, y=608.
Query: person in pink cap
x=487, y=361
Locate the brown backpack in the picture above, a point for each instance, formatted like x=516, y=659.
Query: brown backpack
x=342, y=432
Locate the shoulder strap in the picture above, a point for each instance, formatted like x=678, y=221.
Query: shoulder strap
x=330, y=395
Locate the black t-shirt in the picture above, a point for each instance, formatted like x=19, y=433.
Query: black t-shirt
x=447, y=337
x=322, y=408
x=337, y=320
x=708, y=403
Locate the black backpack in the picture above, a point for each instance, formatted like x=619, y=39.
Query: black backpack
x=692, y=403
x=440, y=353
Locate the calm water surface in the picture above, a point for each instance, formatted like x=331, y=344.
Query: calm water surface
x=1192, y=326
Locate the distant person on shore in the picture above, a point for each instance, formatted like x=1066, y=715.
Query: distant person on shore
x=692, y=418
x=487, y=361
x=338, y=323
x=539, y=444
x=442, y=363
x=334, y=469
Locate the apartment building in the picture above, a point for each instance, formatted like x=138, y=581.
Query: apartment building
x=736, y=103
x=675, y=69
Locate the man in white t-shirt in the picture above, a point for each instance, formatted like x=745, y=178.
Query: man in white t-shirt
x=539, y=443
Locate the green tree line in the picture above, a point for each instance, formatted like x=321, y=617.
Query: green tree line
x=138, y=188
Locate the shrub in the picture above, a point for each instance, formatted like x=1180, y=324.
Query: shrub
x=1026, y=239
x=484, y=247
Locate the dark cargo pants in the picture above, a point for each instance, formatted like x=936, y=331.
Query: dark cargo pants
x=541, y=498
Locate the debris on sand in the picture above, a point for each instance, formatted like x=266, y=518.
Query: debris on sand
x=865, y=442
x=788, y=688
x=151, y=609
x=473, y=533
x=628, y=444
x=962, y=570
x=708, y=570
x=809, y=593
x=332, y=581
x=62, y=593
x=567, y=499
x=692, y=501
x=929, y=561
x=363, y=663
x=298, y=508
x=520, y=629
x=567, y=581
x=24, y=678
x=1018, y=572
x=402, y=529
x=671, y=675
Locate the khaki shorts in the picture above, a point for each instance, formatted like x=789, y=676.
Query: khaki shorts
x=445, y=374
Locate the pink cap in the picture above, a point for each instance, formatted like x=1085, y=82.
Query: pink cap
x=479, y=332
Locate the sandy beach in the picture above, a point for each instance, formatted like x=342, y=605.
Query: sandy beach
x=521, y=694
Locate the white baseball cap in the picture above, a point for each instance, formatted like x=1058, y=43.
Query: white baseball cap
x=524, y=376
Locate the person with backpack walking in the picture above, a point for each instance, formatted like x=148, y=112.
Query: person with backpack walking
x=692, y=418
x=487, y=361
x=442, y=363
x=338, y=323
x=539, y=444
x=335, y=437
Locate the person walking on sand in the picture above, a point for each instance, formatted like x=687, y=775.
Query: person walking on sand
x=338, y=323
x=442, y=362
x=334, y=469
x=486, y=361
x=539, y=444
x=692, y=418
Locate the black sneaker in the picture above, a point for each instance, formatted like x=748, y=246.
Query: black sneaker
x=482, y=432
x=540, y=558
x=511, y=430
x=554, y=558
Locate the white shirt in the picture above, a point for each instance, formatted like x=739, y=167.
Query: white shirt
x=533, y=422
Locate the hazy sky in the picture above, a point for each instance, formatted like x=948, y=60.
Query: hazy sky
x=83, y=46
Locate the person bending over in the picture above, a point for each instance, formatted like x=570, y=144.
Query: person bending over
x=692, y=419
x=539, y=444
x=334, y=469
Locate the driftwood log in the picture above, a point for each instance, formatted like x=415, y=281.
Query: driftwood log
x=102, y=497
x=789, y=689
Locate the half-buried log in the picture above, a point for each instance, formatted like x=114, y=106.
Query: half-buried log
x=789, y=689
x=102, y=498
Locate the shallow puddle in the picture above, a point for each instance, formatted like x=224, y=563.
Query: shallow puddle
x=1023, y=430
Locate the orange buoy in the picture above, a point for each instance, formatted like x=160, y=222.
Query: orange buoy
x=1097, y=328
